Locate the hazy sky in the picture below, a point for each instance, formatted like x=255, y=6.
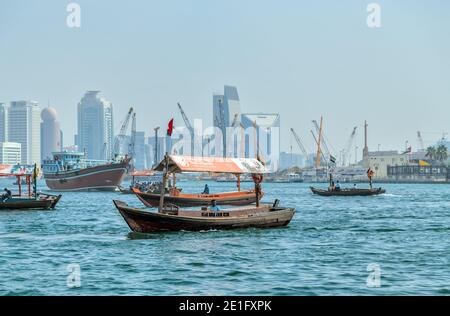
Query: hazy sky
x=302, y=59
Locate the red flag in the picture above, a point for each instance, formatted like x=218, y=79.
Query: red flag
x=170, y=128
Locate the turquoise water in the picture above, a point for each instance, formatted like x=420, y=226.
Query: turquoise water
x=325, y=250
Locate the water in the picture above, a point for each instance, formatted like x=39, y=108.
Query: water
x=325, y=250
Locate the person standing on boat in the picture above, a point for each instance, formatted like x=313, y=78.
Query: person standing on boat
x=206, y=189
x=370, y=174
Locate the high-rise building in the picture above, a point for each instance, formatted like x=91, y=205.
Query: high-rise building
x=266, y=142
x=10, y=153
x=226, y=107
x=157, y=150
x=24, y=127
x=95, y=126
x=50, y=133
x=3, y=122
x=140, y=162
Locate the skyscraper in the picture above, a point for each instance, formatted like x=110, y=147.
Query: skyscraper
x=230, y=104
x=50, y=133
x=226, y=108
x=140, y=151
x=95, y=126
x=24, y=128
x=3, y=122
x=267, y=140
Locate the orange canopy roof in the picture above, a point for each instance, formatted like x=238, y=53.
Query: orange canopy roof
x=178, y=164
x=142, y=173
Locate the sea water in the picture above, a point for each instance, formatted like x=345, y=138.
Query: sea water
x=393, y=244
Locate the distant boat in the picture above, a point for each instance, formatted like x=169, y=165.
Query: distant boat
x=70, y=171
x=348, y=192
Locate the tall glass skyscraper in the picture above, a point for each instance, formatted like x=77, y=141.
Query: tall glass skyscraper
x=226, y=107
x=95, y=126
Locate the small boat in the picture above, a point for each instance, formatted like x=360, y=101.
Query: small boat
x=348, y=192
x=170, y=217
x=30, y=201
x=175, y=219
x=187, y=200
x=134, y=183
x=333, y=191
x=41, y=202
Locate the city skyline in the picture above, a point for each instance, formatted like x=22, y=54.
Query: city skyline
x=333, y=66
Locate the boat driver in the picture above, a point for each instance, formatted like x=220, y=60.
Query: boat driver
x=7, y=195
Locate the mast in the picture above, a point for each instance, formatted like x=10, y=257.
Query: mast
x=163, y=187
x=366, y=147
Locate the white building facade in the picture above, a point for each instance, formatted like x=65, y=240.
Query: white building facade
x=10, y=153
x=51, y=135
x=24, y=127
x=95, y=126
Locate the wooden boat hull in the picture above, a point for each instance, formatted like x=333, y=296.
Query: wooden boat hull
x=147, y=222
x=44, y=202
x=188, y=200
x=349, y=192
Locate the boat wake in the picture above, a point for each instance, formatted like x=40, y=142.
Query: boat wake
x=392, y=195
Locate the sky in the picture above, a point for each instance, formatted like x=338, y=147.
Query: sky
x=301, y=59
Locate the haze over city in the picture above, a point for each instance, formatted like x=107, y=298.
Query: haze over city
x=297, y=58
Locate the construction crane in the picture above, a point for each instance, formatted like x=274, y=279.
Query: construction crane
x=346, y=152
x=322, y=144
x=189, y=127
x=121, y=137
x=420, y=139
x=319, y=151
x=300, y=144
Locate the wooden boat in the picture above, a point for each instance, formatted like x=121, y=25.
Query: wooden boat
x=30, y=201
x=187, y=200
x=171, y=218
x=42, y=202
x=348, y=192
x=135, y=175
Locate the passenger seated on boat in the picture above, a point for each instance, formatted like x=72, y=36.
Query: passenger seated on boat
x=338, y=186
x=214, y=206
x=354, y=186
x=206, y=189
x=7, y=195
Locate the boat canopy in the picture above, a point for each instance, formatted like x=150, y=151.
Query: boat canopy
x=16, y=170
x=178, y=164
x=142, y=173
